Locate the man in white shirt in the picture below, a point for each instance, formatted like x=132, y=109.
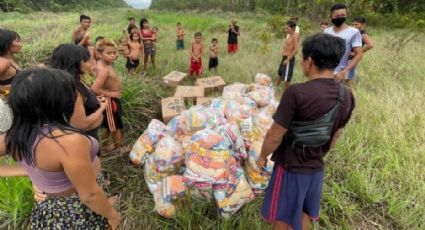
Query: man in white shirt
x=352, y=37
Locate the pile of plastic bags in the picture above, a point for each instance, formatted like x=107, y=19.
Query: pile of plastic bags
x=210, y=151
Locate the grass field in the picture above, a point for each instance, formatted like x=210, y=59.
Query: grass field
x=374, y=178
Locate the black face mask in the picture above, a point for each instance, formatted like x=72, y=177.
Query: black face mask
x=338, y=21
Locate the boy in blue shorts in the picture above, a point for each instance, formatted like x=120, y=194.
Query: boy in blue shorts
x=293, y=195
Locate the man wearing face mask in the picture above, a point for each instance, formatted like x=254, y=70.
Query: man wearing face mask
x=352, y=37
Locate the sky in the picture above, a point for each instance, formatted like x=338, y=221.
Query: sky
x=139, y=4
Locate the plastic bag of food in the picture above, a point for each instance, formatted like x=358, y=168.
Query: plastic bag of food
x=235, y=111
x=208, y=157
x=230, y=197
x=232, y=133
x=6, y=116
x=215, y=118
x=234, y=91
x=146, y=143
x=197, y=119
x=271, y=107
x=257, y=178
x=262, y=96
x=169, y=189
x=250, y=130
x=163, y=207
x=263, y=79
x=168, y=154
x=218, y=104
x=153, y=176
x=263, y=121
x=176, y=125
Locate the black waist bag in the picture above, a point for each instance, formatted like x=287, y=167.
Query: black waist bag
x=317, y=132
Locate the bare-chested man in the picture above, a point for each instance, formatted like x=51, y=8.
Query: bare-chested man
x=80, y=34
x=108, y=84
x=290, y=49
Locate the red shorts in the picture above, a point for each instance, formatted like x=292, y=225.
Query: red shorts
x=195, y=67
x=232, y=48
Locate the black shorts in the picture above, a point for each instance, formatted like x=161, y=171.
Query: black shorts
x=132, y=64
x=282, y=69
x=116, y=112
x=213, y=63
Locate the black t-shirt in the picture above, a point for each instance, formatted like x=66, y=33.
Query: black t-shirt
x=233, y=37
x=306, y=102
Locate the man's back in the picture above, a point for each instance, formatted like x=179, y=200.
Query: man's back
x=306, y=102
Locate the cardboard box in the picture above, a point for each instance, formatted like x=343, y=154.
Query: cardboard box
x=174, y=78
x=171, y=107
x=211, y=84
x=189, y=92
x=204, y=101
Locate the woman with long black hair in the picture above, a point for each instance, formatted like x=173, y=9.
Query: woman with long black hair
x=59, y=159
x=10, y=44
x=88, y=111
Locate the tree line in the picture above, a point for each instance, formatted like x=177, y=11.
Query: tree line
x=57, y=5
x=311, y=8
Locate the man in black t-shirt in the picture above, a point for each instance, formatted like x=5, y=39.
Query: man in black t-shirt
x=232, y=40
x=293, y=196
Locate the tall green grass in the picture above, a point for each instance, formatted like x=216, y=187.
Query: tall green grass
x=374, y=178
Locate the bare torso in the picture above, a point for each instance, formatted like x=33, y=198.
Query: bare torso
x=213, y=51
x=197, y=49
x=135, y=50
x=112, y=82
x=289, y=46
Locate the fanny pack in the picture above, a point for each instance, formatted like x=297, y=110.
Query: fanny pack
x=318, y=132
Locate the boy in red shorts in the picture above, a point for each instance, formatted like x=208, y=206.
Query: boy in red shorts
x=232, y=40
x=196, y=52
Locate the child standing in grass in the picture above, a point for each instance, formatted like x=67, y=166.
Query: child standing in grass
x=290, y=49
x=213, y=62
x=136, y=48
x=148, y=38
x=108, y=84
x=359, y=23
x=131, y=25
x=196, y=52
x=180, y=37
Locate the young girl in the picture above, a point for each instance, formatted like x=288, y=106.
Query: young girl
x=148, y=38
x=136, y=48
x=59, y=159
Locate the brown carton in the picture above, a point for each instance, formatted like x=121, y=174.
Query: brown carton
x=171, y=107
x=204, y=101
x=189, y=92
x=211, y=84
x=174, y=78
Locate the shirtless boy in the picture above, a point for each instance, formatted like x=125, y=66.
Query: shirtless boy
x=290, y=49
x=180, y=37
x=81, y=32
x=196, y=57
x=213, y=62
x=108, y=84
x=136, y=48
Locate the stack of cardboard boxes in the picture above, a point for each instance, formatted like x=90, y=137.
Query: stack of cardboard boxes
x=201, y=93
